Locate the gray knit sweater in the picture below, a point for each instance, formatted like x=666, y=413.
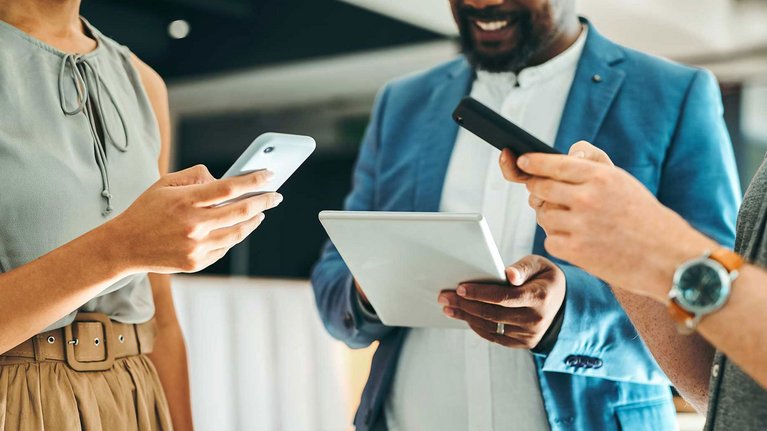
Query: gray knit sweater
x=737, y=402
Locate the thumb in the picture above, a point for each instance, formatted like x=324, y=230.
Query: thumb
x=198, y=174
x=526, y=268
x=585, y=150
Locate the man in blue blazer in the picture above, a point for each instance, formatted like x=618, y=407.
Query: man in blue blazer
x=660, y=121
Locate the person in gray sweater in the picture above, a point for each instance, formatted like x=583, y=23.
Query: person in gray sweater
x=697, y=305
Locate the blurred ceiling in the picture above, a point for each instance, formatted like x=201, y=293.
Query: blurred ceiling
x=230, y=35
x=701, y=30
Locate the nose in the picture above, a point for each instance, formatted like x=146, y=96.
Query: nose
x=481, y=4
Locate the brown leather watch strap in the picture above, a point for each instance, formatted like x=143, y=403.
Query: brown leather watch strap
x=685, y=319
x=681, y=317
x=729, y=259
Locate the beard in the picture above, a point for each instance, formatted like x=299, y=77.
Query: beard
x=531, y=40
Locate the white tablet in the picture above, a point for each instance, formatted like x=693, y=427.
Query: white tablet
x=403, y=260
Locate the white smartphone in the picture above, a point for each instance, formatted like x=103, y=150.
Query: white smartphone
x=279, y=153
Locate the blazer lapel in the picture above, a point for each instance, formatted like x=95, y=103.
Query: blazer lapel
x=438, y=135
x=595, y=86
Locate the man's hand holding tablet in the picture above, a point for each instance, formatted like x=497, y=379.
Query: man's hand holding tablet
x=517, y=314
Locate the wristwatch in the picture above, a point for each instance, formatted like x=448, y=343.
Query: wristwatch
x=701, y=287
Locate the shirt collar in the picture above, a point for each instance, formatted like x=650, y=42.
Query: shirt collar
x=566, y=60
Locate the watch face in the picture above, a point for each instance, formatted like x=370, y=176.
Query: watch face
x=700, y=286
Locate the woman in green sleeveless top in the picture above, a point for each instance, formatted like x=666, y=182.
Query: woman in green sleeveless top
x=698, y=306
x=90, y=222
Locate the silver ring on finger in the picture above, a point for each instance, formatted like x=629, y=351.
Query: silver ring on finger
x=500, y=328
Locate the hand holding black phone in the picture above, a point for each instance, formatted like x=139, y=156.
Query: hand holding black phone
x=496, y=130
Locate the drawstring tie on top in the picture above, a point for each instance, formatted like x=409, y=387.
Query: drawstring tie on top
x=80, y=71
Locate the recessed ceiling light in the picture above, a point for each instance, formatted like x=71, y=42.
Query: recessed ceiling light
x=178, y=29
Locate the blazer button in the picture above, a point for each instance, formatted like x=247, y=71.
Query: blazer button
x=348, y=321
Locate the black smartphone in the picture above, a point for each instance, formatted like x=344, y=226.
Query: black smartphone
x=496, y=130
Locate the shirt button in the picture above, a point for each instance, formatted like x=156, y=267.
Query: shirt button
x=715, y=370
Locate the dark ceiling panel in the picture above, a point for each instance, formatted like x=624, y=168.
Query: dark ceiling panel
x=236, y=34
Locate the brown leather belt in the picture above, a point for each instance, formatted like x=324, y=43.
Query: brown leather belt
x=91, y=343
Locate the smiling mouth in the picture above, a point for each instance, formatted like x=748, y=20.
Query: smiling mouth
x=494, y=24
x=490, y=26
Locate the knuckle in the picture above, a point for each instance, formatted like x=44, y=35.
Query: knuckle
x=583, y=199
x=486, y=314
x=260, y=179
x=601, y=176
x=180, y=203
x=534, y=317
x=226, y=188
x=271, y=200
x=189, y=262
x=188, y=250
x=538, y=295
x=523, y=267
x=189, y=230
x=240, y=235
x=242, y=211
x=529, y=343
x=201, y=172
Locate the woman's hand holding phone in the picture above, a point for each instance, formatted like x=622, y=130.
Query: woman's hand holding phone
x=178, y=225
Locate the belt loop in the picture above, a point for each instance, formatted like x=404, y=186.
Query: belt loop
x=38, y=348
x=138, y=339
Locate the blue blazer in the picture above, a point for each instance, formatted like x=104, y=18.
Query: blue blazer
x=660, y=121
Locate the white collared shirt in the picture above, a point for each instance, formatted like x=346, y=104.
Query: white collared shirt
x=453, y=379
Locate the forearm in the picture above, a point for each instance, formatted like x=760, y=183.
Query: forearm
x=169, y=355
x=738, y=329
x=35, y=295
x=686, y=360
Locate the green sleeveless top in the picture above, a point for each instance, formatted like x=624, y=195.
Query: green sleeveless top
x=79, y=143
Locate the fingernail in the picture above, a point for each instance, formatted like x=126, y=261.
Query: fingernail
x=449, y=311
x=461, y=291
x=269, y=175
x=523, y=161
x=442, y=299
x=278, y=198
x=504, y=157
x=580, y=154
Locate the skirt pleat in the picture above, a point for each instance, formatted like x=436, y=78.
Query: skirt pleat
x=50, y=396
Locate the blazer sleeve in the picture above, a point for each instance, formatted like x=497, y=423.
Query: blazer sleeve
x=338, y=302
x=698, y=179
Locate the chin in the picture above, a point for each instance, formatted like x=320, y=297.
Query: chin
x=499, y=61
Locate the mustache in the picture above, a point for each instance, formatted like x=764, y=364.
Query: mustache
x=490, y=13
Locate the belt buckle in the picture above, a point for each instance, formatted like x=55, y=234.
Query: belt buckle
x=71, y=342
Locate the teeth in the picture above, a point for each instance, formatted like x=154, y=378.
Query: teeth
x=492, y=25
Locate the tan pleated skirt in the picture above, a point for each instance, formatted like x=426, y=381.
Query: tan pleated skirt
x=50, y=396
